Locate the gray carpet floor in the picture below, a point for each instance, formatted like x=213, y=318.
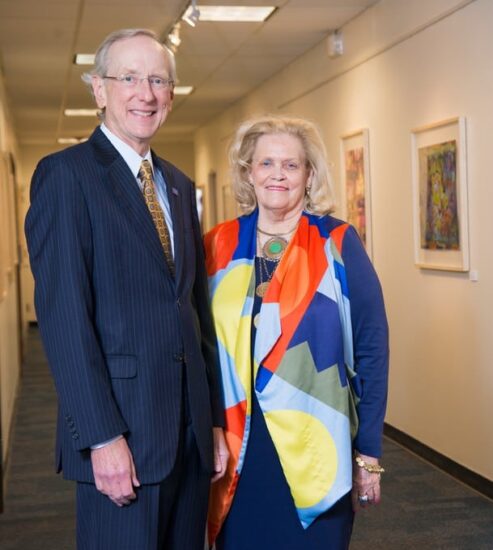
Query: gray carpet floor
x=422, y=507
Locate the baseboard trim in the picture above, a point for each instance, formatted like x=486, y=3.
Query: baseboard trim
x=463, y=474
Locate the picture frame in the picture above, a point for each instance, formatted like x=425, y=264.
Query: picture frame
x=201, y=199
x=9, y=249
x=12, y=210
x=212, y=193
x=355, y=175
x=440, y=209
x=5, y=259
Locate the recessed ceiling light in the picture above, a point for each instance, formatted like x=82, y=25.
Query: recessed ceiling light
x=235, y=13
x=81, y=112
x=84, y=59
x=183, y=90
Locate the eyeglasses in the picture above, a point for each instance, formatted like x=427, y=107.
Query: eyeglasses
x=131, y=81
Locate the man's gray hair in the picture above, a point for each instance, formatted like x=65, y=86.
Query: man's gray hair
x=101, y=60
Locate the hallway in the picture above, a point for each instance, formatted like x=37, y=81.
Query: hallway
x=422, y=507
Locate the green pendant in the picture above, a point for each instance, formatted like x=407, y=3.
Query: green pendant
x=274, y=248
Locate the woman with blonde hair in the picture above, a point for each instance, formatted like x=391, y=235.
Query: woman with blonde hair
x=303, y=343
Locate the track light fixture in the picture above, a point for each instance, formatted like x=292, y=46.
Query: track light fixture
x=173, y=39
x=192, y=15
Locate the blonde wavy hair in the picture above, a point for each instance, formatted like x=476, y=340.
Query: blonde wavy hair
x=320, y=199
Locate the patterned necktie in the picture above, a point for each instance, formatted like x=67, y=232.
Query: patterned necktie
x=145, y=175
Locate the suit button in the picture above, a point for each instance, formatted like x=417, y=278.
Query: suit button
x=178, y=357
x=75, y=436
x=178, y=302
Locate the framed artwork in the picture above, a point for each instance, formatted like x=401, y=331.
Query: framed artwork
x=12, y=209
x=9, y=257
x=5, y=253
x=355, y=165
x=201, y=205
x=212, y=197
x=229, y=204
x=440, y=215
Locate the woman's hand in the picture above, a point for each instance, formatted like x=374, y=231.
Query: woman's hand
x=366, y=485
x=221, y=454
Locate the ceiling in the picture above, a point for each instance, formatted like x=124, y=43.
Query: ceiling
x=223, y=61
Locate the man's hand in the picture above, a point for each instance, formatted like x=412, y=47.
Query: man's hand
x=221, y=454
x=114, y=472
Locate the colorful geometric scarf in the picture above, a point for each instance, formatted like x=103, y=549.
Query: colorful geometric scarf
x=302, y=360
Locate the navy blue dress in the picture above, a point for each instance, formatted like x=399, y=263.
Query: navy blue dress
x=263, y=514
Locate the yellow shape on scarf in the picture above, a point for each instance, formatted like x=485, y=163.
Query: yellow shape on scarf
x=234, y=329
x=308, y=454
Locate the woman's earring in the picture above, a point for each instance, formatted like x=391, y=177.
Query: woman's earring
x=308, y=188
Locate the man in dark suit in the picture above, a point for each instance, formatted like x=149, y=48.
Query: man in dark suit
x=122, y=304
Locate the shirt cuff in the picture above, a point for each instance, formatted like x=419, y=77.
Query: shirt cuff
x=107, y=442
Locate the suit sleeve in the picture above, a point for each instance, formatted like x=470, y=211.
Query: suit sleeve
x=209, y=342
x=58, y=232
x=370, y=342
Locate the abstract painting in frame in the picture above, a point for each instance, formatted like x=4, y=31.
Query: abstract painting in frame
x=440, y=195
x=355, y=164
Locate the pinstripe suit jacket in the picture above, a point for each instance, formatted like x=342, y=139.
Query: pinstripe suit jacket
x=119, y=332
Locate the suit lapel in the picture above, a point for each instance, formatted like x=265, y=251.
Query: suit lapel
x=126, y=189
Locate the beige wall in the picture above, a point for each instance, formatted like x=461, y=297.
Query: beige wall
x=10, y=331
x=181, y=154
x=408, y=63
